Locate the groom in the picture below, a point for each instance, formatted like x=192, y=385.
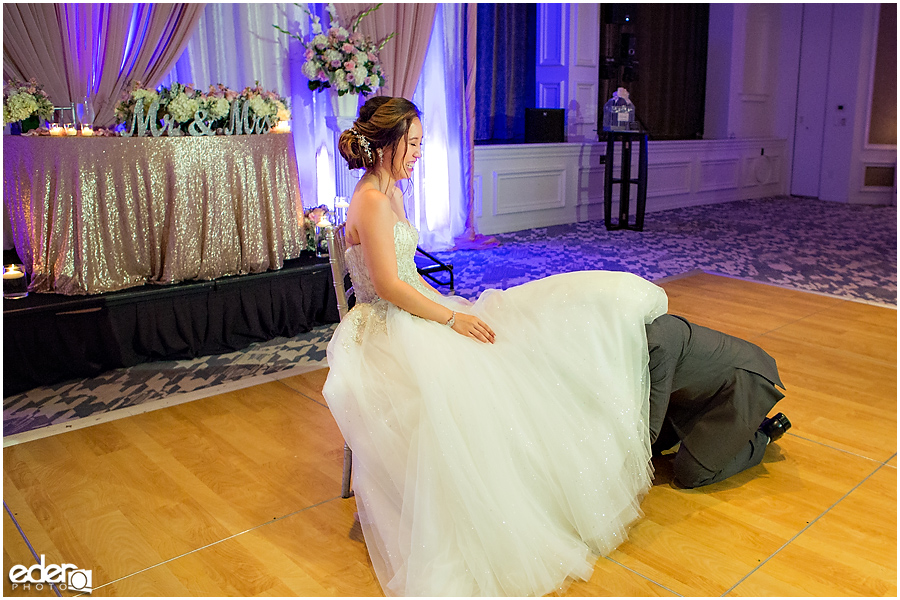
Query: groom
x=712, y=392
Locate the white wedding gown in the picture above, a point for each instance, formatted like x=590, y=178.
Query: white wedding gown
x=495, y=469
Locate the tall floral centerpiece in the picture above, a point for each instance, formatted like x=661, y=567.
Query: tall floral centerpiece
x=342, y=60
x=25, y=105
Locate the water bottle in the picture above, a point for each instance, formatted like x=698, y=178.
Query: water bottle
x=618, y=112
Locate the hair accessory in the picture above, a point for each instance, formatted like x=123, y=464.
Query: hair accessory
x=363, y=143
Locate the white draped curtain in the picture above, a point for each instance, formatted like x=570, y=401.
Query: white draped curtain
x=94, y=51
x=440, y=193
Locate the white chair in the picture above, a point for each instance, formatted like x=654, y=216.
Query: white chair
x=336, y=248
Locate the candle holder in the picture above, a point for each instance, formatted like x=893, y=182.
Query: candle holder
x=15, y=281
x=341, y=204
x=321, y=239
x=70, y=129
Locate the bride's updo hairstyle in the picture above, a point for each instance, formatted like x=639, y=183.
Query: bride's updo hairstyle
x=383, y=123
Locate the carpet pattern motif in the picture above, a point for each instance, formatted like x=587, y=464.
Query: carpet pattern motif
x=806, y=244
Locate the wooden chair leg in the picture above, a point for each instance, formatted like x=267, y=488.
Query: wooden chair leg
x=346, y=492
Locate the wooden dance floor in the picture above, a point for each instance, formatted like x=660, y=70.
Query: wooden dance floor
x=239, y=494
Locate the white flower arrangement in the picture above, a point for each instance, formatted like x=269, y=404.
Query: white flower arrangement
x=181, y=104
x=344, y=60
x=25, y=100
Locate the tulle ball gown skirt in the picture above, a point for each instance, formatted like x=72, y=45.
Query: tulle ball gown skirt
x=505, y=468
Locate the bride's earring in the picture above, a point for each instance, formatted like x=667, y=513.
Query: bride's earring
x=380, y=154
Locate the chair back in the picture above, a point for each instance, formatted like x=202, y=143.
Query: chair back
x=337, y=247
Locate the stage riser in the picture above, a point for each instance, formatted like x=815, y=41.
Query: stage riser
x=45, y=346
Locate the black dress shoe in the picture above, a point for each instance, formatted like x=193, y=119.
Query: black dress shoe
x=775, y=427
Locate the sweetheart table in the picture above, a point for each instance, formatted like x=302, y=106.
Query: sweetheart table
x=97, y=214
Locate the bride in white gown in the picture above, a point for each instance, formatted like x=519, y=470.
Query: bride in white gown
x=498, y=446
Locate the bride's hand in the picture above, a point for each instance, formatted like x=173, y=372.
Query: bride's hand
x=473, y=327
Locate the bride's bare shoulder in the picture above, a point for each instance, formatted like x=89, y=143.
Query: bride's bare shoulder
x=371, y=201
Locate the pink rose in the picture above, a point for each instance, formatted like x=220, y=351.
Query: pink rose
x=336, y=63
x=350, y=77
x=372, y=57
x=347, y=48
x=231, y=95
x=309, y=53
x=349, y=65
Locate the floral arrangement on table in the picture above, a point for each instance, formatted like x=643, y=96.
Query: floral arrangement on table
x=183, y=110
x=26, y=102
x=344, y=60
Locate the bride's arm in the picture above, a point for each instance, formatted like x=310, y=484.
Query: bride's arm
x=374, y=225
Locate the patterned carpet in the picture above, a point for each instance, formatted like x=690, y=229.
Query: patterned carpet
x=806, y=244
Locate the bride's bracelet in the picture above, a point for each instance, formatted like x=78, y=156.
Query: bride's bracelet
x=452, y=320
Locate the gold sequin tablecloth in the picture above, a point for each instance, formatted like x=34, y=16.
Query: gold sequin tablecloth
x=91, y=215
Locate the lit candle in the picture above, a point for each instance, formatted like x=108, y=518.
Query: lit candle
x=87, y=131
x=14, y=283
x=282, y=127
x=70, y=129
x=57, y=130
x=12, y=272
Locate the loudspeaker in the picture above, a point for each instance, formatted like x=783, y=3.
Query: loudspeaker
x=619, y=14
x=545, y=125
x=627, y=48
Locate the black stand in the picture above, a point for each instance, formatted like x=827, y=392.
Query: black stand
x=625, y=180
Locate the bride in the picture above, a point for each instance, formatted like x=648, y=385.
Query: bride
x=498, y=446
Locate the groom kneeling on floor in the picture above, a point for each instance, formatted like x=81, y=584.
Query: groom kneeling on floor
x=711, y=391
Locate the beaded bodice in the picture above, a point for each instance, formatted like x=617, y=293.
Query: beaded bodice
x=406, y=238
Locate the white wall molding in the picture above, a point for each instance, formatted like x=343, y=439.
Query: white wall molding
x=538, y=185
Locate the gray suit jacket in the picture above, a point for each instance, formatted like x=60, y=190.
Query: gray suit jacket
x=713, y=389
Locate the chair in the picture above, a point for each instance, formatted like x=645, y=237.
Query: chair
x=428, y=271
x=337, y=246
x=334, y=237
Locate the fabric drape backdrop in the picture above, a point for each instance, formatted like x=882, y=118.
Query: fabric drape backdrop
x=94, y=50
x=438, y=207
x=33, y=47
x=402, y=57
